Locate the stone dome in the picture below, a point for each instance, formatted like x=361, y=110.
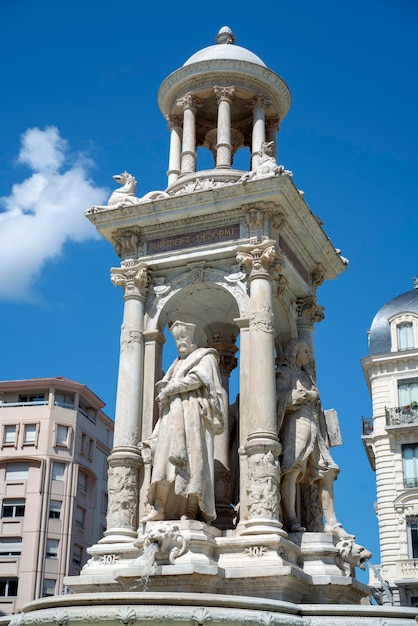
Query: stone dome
x=380, y=335
x=225, y=50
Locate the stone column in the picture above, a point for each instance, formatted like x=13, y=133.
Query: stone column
x=258, y=105
x=224, y=97
x=154, y=341
x=272, y=128
x=308, y=312
x=222, y=337
x=188, y=155
x=125, y=460
x=262, y=447
x=174, y=162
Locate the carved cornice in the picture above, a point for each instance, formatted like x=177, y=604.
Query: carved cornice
x=134, y=280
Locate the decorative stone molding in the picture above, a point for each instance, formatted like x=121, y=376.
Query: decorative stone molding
x=262, y=320
x=258, y=259
x=309, y=311
x=263, y=485
x=126, y=615
x=174, y=121
x=259, y=102
x=123, y=495
x=189, y=101
x=224, y=93
x=133, y=280
x=127, y=241
x=200, y=616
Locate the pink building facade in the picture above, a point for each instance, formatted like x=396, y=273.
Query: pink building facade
x=54, y=444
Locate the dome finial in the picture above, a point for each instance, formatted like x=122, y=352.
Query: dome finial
x=225, y=35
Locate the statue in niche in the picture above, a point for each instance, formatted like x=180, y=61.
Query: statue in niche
x=305, y=447
x=192, y=412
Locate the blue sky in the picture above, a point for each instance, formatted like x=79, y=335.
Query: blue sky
x=79, y=89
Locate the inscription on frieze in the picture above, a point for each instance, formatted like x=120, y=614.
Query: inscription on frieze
x=192, y=239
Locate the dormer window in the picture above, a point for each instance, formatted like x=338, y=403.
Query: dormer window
x=404, y=331
x=405, y=336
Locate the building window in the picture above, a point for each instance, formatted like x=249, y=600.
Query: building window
x=79, y=517
x=61, y=436
x=33, y=398
x=410, y=464
x=10, y=435
x=55, y=509
x=412, y=528
x=52, y=548
x=405, y=336
x=82, y=481
x=77, y=555
x=58, y=470
x=408, y=392
x=8, y=587
x=48, y=587
x=30, y=434
x=66, y=401
x=13, y=508
x=17, y=471
x=10, y=546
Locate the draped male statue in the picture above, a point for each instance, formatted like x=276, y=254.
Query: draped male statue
x=192, y=412
x=302, y=431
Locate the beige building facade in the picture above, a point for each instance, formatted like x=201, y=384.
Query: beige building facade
x=390, y=438
x=55, y=440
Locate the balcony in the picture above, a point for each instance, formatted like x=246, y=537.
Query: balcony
x=410, y=568
x=410, y=483
x=402, y=415
x=367, y=425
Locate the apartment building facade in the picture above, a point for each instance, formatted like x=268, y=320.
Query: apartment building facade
x=54, y=444
x=390, y=438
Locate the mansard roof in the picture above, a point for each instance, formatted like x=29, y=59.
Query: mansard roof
x=380, y=336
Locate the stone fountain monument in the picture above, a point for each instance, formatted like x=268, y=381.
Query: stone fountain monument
x=221, y=506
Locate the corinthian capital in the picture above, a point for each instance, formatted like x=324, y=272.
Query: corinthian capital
x=224, y=93
x=309, y=311
x=189, y=101
x=133, y=280
x=258, y=260
x=259, y=102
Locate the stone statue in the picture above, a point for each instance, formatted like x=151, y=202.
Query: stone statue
x=302, y=431
x=125, y=196
x=192, y=411
x=265, y=164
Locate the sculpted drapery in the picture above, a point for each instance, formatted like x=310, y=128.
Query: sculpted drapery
x=191, y=413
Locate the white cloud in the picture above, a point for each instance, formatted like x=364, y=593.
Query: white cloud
x=44, y=211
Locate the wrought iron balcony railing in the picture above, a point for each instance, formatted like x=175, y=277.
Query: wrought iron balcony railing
x=410, y=483
x=402, y=415
x=367, y=425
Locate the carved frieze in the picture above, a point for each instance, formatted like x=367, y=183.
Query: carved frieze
x=263, y=485
x=262, y=320
x=123, y=497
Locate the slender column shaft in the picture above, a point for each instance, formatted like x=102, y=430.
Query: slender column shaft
x=188, y=155
x=154, y=341
x=125, y=460
x=272, y=128
x=262, y=447
x=258, y=104
x=174, y=163
x=225, y=96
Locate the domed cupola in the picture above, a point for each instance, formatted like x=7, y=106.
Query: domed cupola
x=223, y=98
x=395, y=325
